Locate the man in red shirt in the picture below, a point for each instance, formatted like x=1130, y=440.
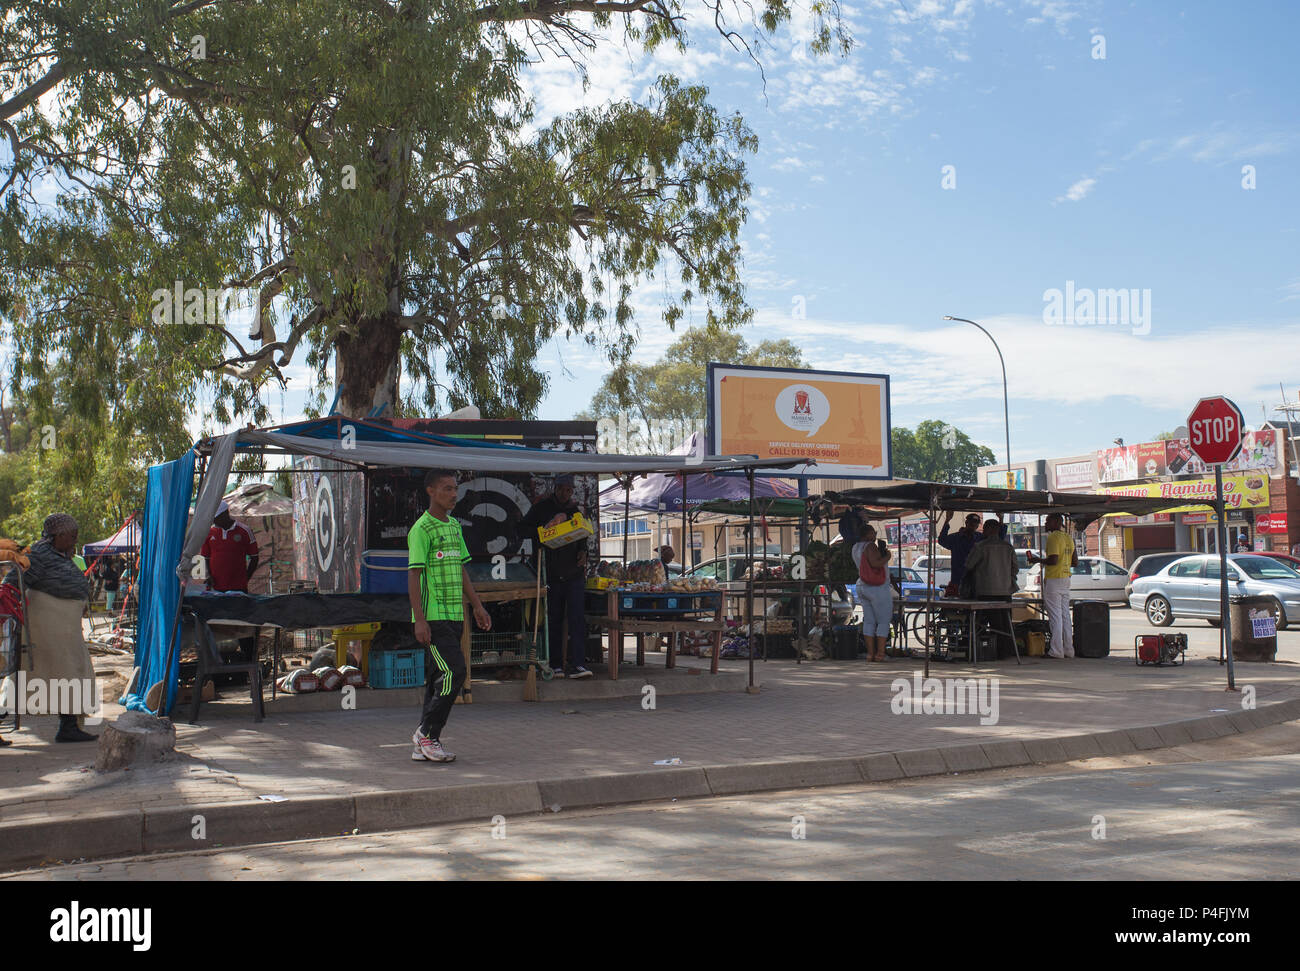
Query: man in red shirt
x=230, y=552
x=230, y=555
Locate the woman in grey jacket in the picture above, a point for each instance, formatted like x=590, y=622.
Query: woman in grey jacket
x=56, y=597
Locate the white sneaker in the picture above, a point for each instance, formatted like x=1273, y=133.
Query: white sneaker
x=429, y=749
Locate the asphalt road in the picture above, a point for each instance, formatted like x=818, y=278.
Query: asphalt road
x=1230, y=818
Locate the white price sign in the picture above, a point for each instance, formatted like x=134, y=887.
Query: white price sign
x=1263, y=627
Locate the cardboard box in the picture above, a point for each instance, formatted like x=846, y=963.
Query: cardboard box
x=571, y=530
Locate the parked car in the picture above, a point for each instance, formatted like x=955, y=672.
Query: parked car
x=1189, y=587
x=942, y=568
x=730, y=570
x=1094, y=578
x=1147, y=565
x=911, y=584
x=1027, y=575
x=1292, y=561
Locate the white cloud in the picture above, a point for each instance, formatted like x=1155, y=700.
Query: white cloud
x=1217, y=145
x=956, y=362
x=1057, y=12
x=1077, y=191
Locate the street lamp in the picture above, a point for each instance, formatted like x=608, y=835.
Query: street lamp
x=1006, y=415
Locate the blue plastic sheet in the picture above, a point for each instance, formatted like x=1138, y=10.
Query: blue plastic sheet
x=166, y=508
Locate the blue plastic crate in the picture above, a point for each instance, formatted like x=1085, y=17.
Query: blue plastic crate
x=398, y=669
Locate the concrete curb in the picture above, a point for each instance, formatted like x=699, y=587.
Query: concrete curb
x=187, y=828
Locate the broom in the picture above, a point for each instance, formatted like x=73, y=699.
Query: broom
x=530, y=685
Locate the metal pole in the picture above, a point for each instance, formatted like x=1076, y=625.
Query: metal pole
x=1225, y=632
x=803, y=521
x=749, y=587
x=627, y=503
x=687, y=534
x=1006, y=413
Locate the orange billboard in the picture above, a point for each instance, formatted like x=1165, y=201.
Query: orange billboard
x=840, y=420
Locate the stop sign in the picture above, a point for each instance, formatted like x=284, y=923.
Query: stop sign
x=1214, y=427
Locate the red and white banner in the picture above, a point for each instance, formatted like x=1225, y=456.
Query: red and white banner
x=1271, y=523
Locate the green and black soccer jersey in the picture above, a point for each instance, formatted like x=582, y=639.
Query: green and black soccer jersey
x=437, y=548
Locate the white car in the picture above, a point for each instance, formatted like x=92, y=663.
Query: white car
x=1095, y=578
x=942, y=569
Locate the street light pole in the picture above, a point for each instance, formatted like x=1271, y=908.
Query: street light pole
x=1006, y=414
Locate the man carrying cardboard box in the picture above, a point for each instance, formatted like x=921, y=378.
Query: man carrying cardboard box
x=566, y=568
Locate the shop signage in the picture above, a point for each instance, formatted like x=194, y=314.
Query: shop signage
x=1271, y=523
x=1074, y=475
x=1199, y=518
x=1176, y=457
x=1239, y=491
x=998, y=479
x=1152, y=520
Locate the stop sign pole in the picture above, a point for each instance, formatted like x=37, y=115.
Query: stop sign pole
x=1215, y=429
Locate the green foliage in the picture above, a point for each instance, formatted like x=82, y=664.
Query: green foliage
x=937, y=452
x=83, y=454
x=674, y=386
x=373, y=171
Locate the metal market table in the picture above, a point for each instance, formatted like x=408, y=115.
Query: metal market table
x=969, y=610
x=634, y=612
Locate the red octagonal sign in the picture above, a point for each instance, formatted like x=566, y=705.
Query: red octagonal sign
x=1215, y=429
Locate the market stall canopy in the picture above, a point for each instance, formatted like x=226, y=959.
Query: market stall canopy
x=416, y=450
x=1082, y=507
x=663, y=493
x=125, y=540
x=773, y=507
x=491, y=457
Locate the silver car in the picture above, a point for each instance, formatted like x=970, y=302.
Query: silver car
x=1189, y=587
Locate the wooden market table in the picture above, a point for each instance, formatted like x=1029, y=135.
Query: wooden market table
x=305, y=610
x=648, y=618
x=500, y=591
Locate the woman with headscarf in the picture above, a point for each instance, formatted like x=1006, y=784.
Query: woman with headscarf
x=56, y=596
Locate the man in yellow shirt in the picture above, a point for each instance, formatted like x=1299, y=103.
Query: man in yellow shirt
x=1056, y=585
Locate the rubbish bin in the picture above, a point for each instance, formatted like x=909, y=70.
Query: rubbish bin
x=1091, y=628
x=1253, y=629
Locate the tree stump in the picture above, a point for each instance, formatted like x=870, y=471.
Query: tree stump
x=135, y=738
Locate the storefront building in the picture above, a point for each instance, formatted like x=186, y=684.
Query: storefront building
x=1261, y=496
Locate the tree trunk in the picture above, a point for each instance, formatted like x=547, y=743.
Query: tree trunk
x=367, y=367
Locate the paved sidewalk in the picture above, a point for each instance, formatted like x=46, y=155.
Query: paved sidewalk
x=818, y=711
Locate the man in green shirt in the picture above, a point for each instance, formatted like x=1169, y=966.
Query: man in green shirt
x=436, y=584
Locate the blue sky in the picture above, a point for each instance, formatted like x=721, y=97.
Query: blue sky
x=1122, y=172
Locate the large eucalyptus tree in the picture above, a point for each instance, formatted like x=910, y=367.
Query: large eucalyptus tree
x=372, y=174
